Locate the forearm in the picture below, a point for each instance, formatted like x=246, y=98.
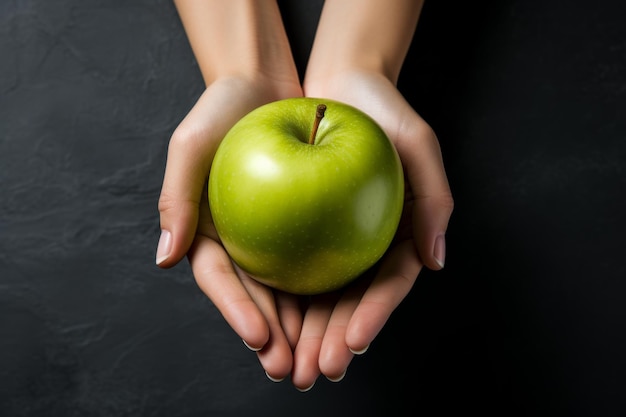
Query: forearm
x=242, y=38
x=364, y=35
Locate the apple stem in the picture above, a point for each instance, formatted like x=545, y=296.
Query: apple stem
x=319, y=115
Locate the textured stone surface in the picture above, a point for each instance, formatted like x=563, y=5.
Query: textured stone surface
x=528, y=99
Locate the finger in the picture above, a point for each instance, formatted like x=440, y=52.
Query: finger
x=275, y=356
x=397, y=274
x=216, y=277
x=306, y=355
x=420, y=153
x=290, y=314
x=335, y=355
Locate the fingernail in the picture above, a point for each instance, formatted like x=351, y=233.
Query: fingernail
x=440, y=250
x=273, y=379
x=251, y=348
x=360, y=352
x=306, y=389
x=164, y=247
x=339, y=378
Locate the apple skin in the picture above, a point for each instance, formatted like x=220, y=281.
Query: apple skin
x=306, y=218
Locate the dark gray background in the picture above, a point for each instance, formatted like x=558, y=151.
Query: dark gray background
x=528, y=99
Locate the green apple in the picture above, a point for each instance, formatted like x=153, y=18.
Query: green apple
x=306, y=194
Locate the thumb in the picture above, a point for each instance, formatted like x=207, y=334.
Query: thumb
x=433, y=203
x=190, y=152
x=179, y=202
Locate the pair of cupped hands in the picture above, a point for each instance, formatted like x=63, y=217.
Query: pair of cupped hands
x=303, y=336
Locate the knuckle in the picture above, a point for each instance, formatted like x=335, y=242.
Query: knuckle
x=446, y=201
x=168, y=203
x=185, y=137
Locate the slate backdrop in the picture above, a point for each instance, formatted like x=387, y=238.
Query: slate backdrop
x=528, y=99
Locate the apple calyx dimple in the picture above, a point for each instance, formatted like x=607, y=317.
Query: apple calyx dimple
x=319, y=115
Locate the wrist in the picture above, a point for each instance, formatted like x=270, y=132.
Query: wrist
x=238, y=39
x=258, y=86
x=367, y=36
x=353, y=81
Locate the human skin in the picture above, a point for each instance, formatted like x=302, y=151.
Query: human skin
x=244, y=56
x=357, y=57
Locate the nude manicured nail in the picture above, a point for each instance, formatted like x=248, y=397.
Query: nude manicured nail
x=306, y=389
x=360, y=352
x=164, y=247
x=439, y=252
x=251, y=348
x=271, y=378
x=339, y=378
